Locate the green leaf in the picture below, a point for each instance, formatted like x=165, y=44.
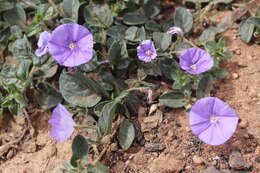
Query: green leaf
x=90, y=66
x=46, y=70
x=4, y=5
x=80, y=90
x=70, y=8
x=99, y=16
x=107, y=116
x=152, y=26
x=225, y=24
x=80, y=149
x=23, y=70
x=255, y=21
x=15, y=16
x=183, y=19
x=168, y=67
x=117, y=32
x=204, y=87
x=162, y=40
x=47, y=96
x=118, y=54
x=246, y=30
x=219, y=73
x=21, y=49
x=181, y=80
x=173, y=99
x=134, y=18
x=151, y=8
x=126, y=135
x=152, y=69
x=135, y=34
x=208, y=34
x=257, y=14
x=98, y=168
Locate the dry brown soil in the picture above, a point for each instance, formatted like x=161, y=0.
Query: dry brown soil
x=175, y=148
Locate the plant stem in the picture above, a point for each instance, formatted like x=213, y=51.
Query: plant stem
x=190, y=42
x=108, y=145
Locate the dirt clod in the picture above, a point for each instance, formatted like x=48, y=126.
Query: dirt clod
x=152, y=147
x=166, y=164
x=197, y=160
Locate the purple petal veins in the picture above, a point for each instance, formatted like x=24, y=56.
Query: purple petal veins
x=43, y=43
x=146, y=51
x=213, y=120
x=175, y=30
x=71, y=45
x=62, y=124
x=196, y=61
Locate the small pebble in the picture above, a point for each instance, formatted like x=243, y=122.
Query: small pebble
x=153, y=108
x=243, y=123
x=152, y=147
x=235, y=76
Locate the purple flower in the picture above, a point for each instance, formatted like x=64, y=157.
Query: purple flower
x=146, y=51
x=62, y=124
x=196, y=61
x=42, y=43
x=212, y=120
x=71, y=45
x=174, y=30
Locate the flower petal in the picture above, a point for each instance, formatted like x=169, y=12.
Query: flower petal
x=198, y=58
x=62, y=124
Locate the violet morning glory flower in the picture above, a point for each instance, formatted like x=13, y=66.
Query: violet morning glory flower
x=146, y=51
x=213, y=120
x=174, y=30
x=196, y=61
x=62, y=124
x=42, y=43
x=71, y=45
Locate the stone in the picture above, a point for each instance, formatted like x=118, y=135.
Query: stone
x=210, y=169
x=153, y=108
x=150, y=122
x=257, y=159
x=154, y=147
x=197, y=160
x=236, y=161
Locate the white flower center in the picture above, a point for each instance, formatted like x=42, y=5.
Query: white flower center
x=193, y=67
x=72, y=46
x=149, y=53
x=213, y=119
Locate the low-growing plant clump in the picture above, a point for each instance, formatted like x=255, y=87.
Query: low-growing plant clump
x=100, y=59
